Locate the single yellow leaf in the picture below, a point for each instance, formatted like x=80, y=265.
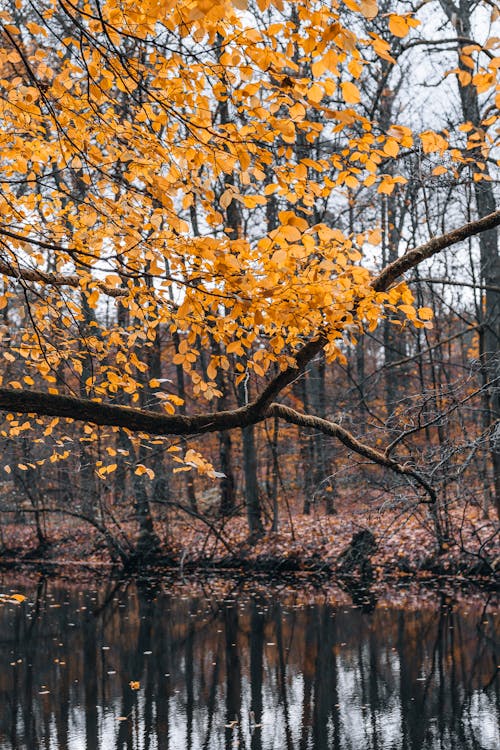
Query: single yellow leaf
x=315, y=93
x=18, y=597
x=350, y=93
x=398, y=25
x=425, y=313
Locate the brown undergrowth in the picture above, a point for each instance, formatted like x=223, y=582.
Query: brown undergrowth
x=405, y=542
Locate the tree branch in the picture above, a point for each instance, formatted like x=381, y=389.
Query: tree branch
x=362, y=449
x=394, y=270
x=56, y=279
x=139, y=420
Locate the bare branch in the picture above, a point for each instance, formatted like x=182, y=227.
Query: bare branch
x=56, y=279
x=362, y=449
x=410, y=260
x=450, y=282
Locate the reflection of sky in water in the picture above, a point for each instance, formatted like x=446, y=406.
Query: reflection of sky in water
x=314, y=678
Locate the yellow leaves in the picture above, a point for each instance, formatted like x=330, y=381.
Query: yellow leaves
x=176, y=400
x=409, y=311
x=391, y=147
x=135, y=685
x=483, y=81
x=420, y=318
x=144, y=198
x=463, y=76
x=87, y=217
x=29, y=94
x=36, y=28
x=169, y=401
x=56, y=456
x=103, y=471
x=355, y=68
x=382, y=48
x=329, y=61
x=226, y=198
x=315, y=93
x=400, y=25
x=19, y=598
x=388, y=183
x=93, y=299
x=11, y=29
x=279, y=257
x=235, y=347
x=425, y=313
x=402, y=135
x=251, y=201
x=374, y=237
x=225, y=162
x=140, y=471
x=286, y=128
x=432, y=142
x=195, y=460
x=368, y=8
x=12, y=598
x=289, y=218
x=350, y=93
x=297, y=112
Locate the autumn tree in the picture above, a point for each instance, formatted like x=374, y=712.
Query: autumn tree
x=167, y=162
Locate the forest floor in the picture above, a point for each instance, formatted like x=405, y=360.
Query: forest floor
x=312, y=544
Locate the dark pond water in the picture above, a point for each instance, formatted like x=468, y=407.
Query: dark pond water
x=142, y=670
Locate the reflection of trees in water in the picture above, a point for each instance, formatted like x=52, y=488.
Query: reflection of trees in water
x=253, y=673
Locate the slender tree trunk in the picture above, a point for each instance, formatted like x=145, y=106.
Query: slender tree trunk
x=306, y=449
x=252, y=499
x=459, y=15
x=228, y=481
x=88, y=481
x=181, y=390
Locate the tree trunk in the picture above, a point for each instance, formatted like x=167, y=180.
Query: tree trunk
x=460, y=17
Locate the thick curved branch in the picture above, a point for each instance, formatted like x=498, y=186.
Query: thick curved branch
x=136, y=420
x=139, y=420
x=394, y=270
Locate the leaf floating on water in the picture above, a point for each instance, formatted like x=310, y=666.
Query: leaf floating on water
x=135, y=684
x=18, y=598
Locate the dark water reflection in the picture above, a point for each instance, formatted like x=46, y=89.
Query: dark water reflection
x=251, y=672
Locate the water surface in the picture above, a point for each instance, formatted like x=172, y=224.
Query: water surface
x=136, y=669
